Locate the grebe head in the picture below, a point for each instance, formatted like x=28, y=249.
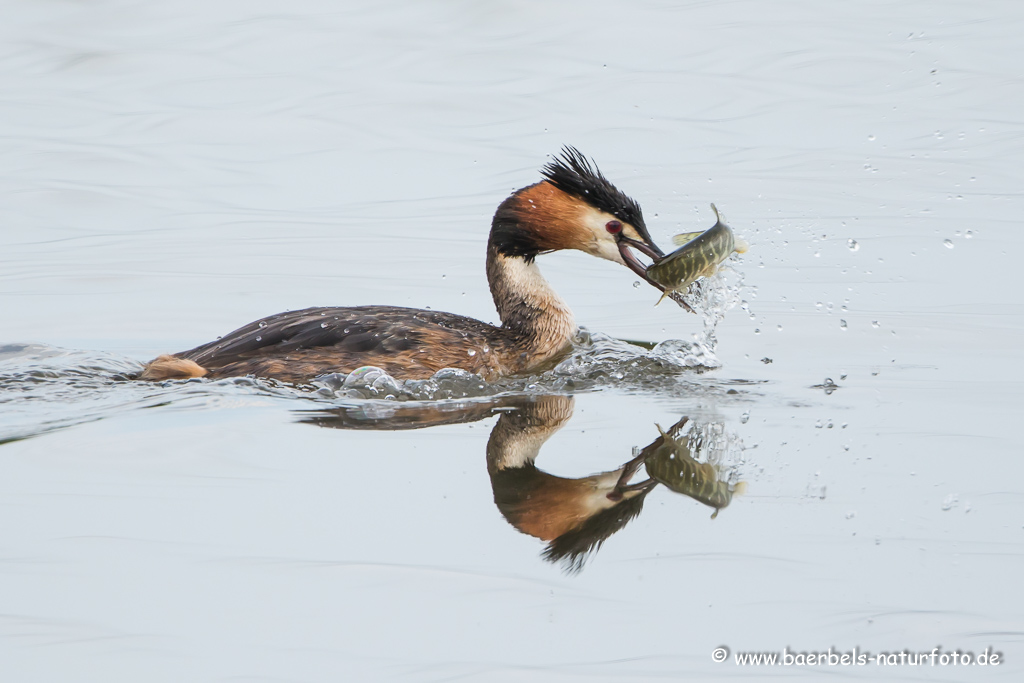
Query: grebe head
x=575, y=516
x=576, y=207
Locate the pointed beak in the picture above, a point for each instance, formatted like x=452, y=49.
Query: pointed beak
x=650, y=249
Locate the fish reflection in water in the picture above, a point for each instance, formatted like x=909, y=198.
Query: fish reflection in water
x=575, y=516
x=669, y=461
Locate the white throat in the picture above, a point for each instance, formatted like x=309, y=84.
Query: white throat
x=526, y=282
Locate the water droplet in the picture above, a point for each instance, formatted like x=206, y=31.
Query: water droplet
x=259, y=338
x=779, y=327
x=471, y=352
x=636, y=284
x=851, y=515
x=852, y=244
x=842, y=325
x=323, y=325
x=744, y=417
x=871, y=137
x=968, y=235
x=263, y=323
x=756, y=331
x=948, y=244
x=874, y=323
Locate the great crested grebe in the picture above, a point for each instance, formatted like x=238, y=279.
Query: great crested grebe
x=574, y=207
x=575, y=516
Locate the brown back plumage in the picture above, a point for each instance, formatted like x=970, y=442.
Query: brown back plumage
x=299, y=345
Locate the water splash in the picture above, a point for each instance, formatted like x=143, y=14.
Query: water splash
x=712, y=443
x=43, y=388
x=711, y=298
x=596, y=362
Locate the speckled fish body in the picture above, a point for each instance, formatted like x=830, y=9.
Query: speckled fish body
x=700, y=256
x=672, y=465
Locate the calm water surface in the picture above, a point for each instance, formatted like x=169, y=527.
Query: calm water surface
x=172, y=171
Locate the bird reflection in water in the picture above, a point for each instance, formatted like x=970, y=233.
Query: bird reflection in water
x=575, y=516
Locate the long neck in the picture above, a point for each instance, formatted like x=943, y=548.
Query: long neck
x=540, y=322
x=519, y=434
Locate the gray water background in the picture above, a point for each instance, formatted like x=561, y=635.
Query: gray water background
x=170, y=171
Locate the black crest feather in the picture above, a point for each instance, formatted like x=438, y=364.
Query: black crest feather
x=575, y=174
x=574, y=547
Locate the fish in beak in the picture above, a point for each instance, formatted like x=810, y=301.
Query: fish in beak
x=648, y=248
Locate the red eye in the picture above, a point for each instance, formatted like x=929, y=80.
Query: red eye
x=614, y=227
